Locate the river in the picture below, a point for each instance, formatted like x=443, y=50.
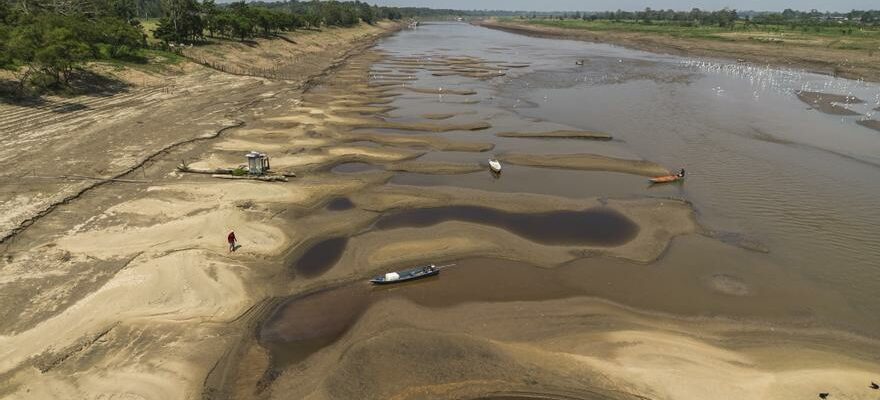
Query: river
x=787, y=194
x=760, y=163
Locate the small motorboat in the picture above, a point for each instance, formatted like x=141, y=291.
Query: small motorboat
x=579, y=62
x=495, y=165
x=406, y=275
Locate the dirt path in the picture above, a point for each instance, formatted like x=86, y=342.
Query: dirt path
x=852, y=64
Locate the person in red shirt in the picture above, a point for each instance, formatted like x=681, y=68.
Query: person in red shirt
x=231, y=239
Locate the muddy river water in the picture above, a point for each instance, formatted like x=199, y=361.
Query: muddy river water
x=789, y=195
x=759, y=162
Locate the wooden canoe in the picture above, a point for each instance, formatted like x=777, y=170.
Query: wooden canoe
x=666, y=179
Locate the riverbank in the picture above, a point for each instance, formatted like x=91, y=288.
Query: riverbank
x=118, y=130
x=129, y=289
x=808, y=55
x=114, y=279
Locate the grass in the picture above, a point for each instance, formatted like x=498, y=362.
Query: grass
x=836, y=37
x=156, y=61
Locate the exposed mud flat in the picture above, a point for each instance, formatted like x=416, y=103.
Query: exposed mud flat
x=361, y=123
x=829, y=103
x=870, y=124
x=561, y=134
x=589, y=162
x=435, y=168
x=438, y=116
x=453, y=338
x=410, y=140
x=550, y=298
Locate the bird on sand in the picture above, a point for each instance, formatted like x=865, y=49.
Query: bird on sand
x=823, y=395
x=874, y=386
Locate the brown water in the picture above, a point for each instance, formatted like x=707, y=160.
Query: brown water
x=339, y=204
x=320, y=257
x=598, y=226
x=761, y=163
x=765, y=171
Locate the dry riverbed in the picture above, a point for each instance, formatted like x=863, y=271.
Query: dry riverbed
x=129, y=289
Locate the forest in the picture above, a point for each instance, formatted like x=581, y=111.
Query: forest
x=44, y=43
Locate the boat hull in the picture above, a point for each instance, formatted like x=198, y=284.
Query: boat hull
x=666, y=179
x=407, y=275
x=384, y=282
x=495, y=166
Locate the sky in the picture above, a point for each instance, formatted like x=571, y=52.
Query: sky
x=605, y=5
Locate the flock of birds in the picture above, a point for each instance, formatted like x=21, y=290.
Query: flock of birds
x=825, y=395
x=780, y=80
x=787, y=81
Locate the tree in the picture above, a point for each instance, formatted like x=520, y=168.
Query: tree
x=366, y=13
x=182, y=21
x=50, y=47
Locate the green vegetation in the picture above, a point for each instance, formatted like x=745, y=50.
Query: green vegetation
x=45, y=47
x=46, y=43
x=190, y=21
x=858, y=30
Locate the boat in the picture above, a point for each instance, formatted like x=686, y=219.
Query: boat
x=665, y=179
x=579, y=62
x=669, y=178
x=495, y=165
x=406, y=275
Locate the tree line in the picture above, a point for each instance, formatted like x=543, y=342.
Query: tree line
x=46, y=42
x=725, y=18
x=190, y=20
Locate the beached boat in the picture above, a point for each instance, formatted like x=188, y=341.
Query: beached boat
x=495, y=165
x=406, y=275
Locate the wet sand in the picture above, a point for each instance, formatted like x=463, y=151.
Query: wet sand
x=558, y=135
x=130, y=290
x=453, y=338
x=829, y=103
x=411, y=140
x=438, y=168
x=587, y=162
x=870, y=123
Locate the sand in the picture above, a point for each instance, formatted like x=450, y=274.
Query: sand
x=565, y=348
x=562, y=134
x=828, y=103
x=588, y=162
x=433, y=142
x=128, y=289
x=437, y=168
x=870, y=124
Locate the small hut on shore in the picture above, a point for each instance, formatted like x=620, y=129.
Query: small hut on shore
x=258, y=163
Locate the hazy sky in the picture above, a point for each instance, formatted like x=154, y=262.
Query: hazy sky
x=603, y=5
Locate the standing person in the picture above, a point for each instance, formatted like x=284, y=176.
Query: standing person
x=231, y=239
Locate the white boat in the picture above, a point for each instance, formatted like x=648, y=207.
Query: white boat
x=495, y=165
